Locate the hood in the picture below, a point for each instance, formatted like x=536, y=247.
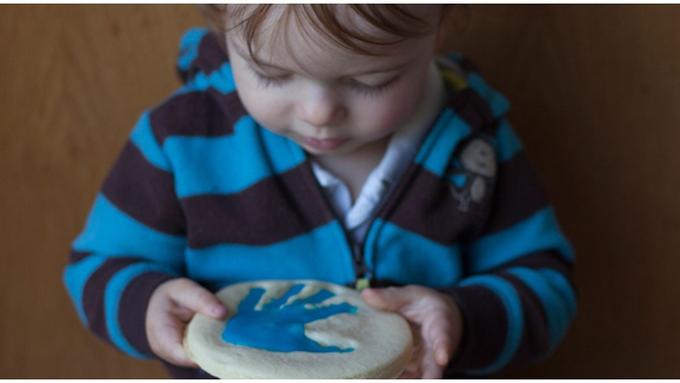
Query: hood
x=201, y=54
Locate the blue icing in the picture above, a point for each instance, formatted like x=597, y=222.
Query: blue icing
x=279, y=327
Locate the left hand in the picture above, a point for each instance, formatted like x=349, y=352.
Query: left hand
x=435, y=319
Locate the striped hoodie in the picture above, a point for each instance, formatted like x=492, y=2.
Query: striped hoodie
x=200, y=190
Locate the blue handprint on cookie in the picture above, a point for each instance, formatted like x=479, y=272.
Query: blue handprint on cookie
x=280, y=327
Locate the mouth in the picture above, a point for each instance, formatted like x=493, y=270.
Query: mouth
x=323, y=145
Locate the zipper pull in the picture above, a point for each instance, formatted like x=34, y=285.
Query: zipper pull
x=362, y=283
x=363, y=276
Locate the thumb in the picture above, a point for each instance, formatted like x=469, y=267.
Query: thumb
x=196, y=298
x=389, y=299
x=168, y=332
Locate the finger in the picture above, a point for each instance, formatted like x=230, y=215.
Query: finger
x=442, y=351
x=181, y=312
x=168, y=333
x=436, y=346
x=413, y=364
x=198, y=299
x=442, y=347
x=410, y=374
x=417, y=338
x=412, y=370
x=430, y=368
x=389, y=299
x=438, y=335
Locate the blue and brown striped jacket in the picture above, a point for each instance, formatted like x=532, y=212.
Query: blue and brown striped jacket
x=201, y=190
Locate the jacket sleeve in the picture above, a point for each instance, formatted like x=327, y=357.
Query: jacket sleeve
x=518, y=299
x=133, y=241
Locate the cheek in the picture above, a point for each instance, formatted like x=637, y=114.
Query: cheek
x=393, y=109
x=265, y=107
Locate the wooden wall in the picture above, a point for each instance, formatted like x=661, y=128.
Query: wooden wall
x=596, y=99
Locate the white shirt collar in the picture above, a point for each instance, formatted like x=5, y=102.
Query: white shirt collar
x=401, y=149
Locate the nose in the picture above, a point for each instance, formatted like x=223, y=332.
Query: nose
x=320, y=106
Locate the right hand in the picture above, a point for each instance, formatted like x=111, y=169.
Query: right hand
x=171, y=307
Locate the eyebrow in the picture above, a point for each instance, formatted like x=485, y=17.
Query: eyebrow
x=261, y=63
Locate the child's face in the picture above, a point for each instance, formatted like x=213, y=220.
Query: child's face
x=327, y=99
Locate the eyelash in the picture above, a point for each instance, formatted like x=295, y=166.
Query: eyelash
x=367, y=90
x=372, y=90
x=267, y=81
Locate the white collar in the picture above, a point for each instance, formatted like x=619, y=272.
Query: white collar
x=400, y=151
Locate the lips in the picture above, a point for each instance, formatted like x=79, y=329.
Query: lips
x=323, y=145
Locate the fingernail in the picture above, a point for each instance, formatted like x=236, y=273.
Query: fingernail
x=442, y=357
x=373, y=293
x=218, y=311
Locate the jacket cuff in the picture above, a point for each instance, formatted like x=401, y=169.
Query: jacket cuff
x=135, y=300
x=484, y=329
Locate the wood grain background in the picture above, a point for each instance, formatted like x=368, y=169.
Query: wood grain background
x=596, y=99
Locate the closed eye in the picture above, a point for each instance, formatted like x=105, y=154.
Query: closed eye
x=266, y=80
x=371, y=90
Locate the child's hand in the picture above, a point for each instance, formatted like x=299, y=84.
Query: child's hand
x=171, y=307
x=435, y=319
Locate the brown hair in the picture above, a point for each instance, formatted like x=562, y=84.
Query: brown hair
x=395, y=20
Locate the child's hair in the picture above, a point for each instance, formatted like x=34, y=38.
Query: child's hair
x=395, y=20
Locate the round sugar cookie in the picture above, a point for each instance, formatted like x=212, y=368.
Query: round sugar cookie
x=298, y=329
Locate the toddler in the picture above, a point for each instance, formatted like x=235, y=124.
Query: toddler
x=328, y=142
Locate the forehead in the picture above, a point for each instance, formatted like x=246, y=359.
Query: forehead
x=289, y=40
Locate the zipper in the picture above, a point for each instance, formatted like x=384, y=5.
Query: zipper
x=363, y=274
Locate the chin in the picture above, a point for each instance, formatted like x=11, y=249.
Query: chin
x=329, y=153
